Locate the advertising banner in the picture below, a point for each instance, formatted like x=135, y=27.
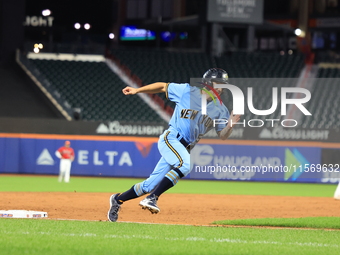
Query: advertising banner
x=260, y=163
x=127, y=157
x=92, y=158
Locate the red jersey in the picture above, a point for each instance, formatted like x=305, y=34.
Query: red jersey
x=66, y=152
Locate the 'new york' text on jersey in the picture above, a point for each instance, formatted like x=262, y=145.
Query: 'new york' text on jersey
x=187, y=118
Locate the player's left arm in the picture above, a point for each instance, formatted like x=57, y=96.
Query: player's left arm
x=226, y=132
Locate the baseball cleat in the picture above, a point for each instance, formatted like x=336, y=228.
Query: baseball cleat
x=150, y=203
x=112, y=214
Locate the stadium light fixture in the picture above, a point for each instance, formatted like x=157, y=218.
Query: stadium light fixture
x=299, y=32
x=37, y=47
x=87, y=26
x=46, y=12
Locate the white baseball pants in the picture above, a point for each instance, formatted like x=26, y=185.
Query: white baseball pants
x=64, y=170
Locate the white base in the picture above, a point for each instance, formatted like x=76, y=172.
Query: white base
x=22, y=214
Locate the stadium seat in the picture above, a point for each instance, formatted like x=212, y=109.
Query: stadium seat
x=160, y=65
x=94, y=88
x=324, y=104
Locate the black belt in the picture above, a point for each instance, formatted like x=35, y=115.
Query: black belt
x=182, y=140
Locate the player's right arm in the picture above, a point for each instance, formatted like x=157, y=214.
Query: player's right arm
x=153, y=88
x=58, y=154
x=226, y=132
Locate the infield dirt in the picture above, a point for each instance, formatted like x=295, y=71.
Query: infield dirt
x=175, y=208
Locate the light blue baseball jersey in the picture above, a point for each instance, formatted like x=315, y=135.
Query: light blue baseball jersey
x=187, y=118
x=187, y=121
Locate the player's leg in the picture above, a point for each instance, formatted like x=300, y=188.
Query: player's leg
x=175, y=155
x=61, y=171
x=138, y=189
x=147, y=185
x=337, y=192
x=64, y=168
x=67, y=170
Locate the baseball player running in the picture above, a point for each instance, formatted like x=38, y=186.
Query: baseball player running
x=186, y=127
x=66, y=155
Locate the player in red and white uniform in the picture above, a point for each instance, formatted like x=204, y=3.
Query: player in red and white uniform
x=66, y=155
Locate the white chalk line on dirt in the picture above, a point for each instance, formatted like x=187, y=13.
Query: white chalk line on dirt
x=188, y=239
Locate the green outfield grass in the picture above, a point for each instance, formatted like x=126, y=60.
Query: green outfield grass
x=43, y=236
x=111, y=185
x=28, y=236
x=307, y=222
